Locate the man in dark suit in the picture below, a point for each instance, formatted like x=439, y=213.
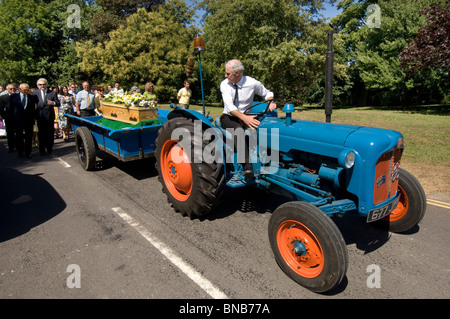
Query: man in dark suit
x=45, y=115
x=24, y=110
x=7, y=114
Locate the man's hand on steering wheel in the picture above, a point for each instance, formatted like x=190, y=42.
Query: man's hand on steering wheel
x=271, y=106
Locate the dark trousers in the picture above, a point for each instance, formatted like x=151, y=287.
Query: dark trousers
x=86, y=113
x=24, y=137
x=46, y=135
x=229, y=121
x=10, y=134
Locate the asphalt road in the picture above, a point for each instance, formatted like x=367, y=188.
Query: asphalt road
x=66, y=233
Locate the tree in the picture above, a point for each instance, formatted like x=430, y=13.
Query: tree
x=113, y=13
x=29, y=37
x=431, y=46
x=372, y=51
x=37, y=39
x=282, y=43
x=151, y=46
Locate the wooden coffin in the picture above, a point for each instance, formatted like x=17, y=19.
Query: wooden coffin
x=132, y=114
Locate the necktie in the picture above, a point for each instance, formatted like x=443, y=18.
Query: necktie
x=43, y=96
x=236, y=98
x=24, y=101
x=88, y=101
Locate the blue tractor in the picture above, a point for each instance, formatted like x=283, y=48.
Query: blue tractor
x=325, y=169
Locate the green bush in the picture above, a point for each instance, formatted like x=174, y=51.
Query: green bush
x=166, y=94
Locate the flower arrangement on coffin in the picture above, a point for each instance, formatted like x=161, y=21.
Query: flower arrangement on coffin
x=128, y=108
x=134, y=99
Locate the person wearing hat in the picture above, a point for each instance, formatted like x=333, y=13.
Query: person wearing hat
x=135, y=89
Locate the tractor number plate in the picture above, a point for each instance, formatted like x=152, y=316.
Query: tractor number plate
x=379, y=213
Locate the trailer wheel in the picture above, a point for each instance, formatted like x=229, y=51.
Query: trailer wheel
x=193, y=187
x=411, y=207
x=85, y=145
x=308, y=246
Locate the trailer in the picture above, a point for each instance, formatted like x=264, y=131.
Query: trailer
x=127, y=144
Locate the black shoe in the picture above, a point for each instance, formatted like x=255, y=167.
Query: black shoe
x=248, y=174
x=248, y=171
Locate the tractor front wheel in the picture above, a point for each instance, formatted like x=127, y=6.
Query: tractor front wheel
x=308, y=246
x=411, y=207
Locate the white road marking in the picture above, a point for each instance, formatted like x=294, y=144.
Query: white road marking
x=64, y=163
x=187, y=269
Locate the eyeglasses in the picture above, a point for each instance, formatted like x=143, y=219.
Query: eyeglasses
x=42, y=84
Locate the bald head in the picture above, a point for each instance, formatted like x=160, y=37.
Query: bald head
x=24, y=88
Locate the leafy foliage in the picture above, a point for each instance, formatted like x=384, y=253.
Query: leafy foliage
x=151, y=46
x=113, y=13
x=431, y=46
x=373, y=52
x=280, y=42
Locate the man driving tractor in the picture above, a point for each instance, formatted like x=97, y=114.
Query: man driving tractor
x=238, y=91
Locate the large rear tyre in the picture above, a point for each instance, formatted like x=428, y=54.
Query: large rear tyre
x=85, y=146
x=411, y=207
x=192, y=187
x=308, y=246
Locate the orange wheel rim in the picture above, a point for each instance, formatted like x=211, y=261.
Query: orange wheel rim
x=310, y=261
x=176, y=170
x=402, y=208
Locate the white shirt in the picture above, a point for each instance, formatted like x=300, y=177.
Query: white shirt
x=116, y=90
x=247, y=88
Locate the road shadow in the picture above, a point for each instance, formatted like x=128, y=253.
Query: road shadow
x=367, y=237
x=26, y=202
x=249, y=199
x=139, y=169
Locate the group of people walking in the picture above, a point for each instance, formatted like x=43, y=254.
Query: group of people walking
x=39, y=113
x=20, y=110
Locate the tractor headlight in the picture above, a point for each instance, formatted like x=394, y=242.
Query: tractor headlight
x=347, y=159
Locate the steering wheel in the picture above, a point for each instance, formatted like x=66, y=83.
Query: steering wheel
x=247, y=112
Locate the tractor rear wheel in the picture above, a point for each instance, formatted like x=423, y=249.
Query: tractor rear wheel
x=308, y=246
x=192, y=187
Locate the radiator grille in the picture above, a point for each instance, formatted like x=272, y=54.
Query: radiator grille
x=386, y=176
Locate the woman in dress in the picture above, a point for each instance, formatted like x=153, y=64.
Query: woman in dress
x=67, y=102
